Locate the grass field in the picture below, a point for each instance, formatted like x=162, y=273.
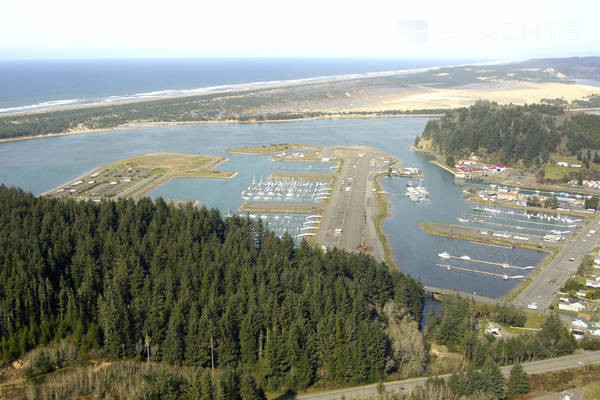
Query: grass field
x=592, y=391
x=382, y=214
x=271, y=148
x=557, y=172
x=169, y=162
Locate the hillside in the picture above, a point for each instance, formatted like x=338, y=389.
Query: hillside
x=570, y=67
x=527, y=135
x=143, y=280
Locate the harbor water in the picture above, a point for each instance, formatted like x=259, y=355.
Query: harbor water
x=39, y=165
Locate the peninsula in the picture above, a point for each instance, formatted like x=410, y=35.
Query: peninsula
x=137, y=176
x=429, y=92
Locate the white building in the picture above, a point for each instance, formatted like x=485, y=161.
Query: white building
x=579, y=324
x=576, y=307
x=562, y=164
x=592, y=284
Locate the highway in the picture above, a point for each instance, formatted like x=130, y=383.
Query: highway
x=548, y=281
x=535, y=367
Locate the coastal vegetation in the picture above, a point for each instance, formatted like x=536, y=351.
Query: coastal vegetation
x=517, y=386
x=332, y=99
x=271, y=148
x=591, y=101
x=515, y=135
x=147, y=282
x=462, y=325
x=245, y=106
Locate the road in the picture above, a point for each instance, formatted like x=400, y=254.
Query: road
x=352, y=207
x=535, y=367
x=548, y=282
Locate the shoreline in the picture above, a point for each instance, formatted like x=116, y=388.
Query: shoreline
x=383, y=212
x=150, y=125
x=146, y=185
x=227, y=89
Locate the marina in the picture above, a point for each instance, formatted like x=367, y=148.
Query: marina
x=417, y=192
x=522, y=223
x=563, y=198
x=298, y=226
x=39, y=168
x=287, y=190
x=449, y=267
x=445, y=255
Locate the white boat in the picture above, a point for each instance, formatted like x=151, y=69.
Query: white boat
x=444, y=255
x=465, y=257
x=306, y=234
x=462, y=220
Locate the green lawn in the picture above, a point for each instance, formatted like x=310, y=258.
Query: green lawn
x=592, y=391
x=555, y=172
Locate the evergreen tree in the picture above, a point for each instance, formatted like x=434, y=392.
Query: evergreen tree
x=492, y=379
x=173, y=347
x=248, y=388
x=184, y=285
x=518, y=381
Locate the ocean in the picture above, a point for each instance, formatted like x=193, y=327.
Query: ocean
x=34, y=85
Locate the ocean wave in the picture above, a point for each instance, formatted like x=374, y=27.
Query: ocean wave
x=170, y=93
x=45, y=105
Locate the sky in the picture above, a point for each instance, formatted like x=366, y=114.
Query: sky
x=501, y=30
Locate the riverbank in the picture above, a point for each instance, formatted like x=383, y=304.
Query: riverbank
x=150, y=125
x=383, y=212
x=507, y=180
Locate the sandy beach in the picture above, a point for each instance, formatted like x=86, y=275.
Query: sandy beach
x=361, y=98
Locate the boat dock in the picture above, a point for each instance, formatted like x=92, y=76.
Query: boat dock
x=488, y=222
x=476, y=271
x=304, y=175
x=526, y=221
x=488, y=236
x=505, y=265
